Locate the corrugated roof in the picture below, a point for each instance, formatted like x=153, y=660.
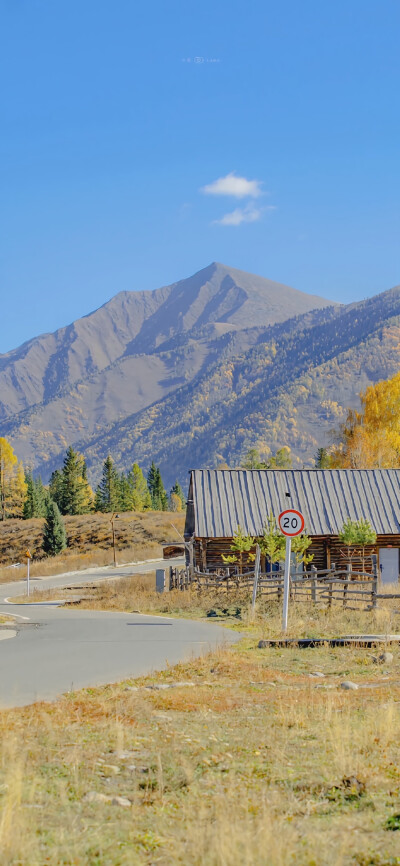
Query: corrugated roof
x=224, y=498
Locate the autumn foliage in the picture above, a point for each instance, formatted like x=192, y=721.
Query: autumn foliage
x=370, y=439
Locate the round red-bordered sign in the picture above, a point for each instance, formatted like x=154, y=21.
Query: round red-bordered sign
x=291, y=522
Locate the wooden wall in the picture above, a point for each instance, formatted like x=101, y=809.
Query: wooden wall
x=326, y=549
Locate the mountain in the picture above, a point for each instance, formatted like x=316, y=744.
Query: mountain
x=139, y=323
x=128, y=356
x=196, y=373
x=291, y=388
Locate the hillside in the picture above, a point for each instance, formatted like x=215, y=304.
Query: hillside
x=131, y=354
x=292, y=387
x=138, y=535
x=195, y=373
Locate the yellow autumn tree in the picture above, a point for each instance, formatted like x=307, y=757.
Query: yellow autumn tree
x=370, y=439
x=175, y=502
x=12, y=482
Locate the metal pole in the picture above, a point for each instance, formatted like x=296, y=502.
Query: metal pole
x=375, y=579
x=113, y=539
x=256, y=576
x=27, y=576
x=286, y=581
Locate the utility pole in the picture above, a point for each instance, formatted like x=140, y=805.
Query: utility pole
x=113, y=518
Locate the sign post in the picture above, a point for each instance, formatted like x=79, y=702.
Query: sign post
x=28, y=560
x=291, y=523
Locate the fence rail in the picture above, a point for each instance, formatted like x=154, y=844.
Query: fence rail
x=324, y=587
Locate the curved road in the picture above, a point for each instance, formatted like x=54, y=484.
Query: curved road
x=57, y=650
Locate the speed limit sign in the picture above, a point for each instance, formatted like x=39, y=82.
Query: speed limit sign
x=291, y=522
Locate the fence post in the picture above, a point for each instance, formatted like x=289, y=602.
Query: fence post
x=346, y=586
x=375, y=580
x=314, y=585
x=256, y=576
x=330, y=593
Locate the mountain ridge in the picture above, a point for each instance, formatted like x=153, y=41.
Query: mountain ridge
x=132, y=350
x=195, y=372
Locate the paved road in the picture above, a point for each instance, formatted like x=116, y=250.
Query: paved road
x=57, y=649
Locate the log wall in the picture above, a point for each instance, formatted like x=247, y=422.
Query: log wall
x=326, y=549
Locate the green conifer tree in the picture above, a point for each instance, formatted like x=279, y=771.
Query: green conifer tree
x=36, y=498
x=108, y=492
x=159, y=497
x=76, y=495
x=152, y=481
x=54, y=535
x=125, y=496
x=29, y=504
x=141, y=499
x=55, y=486
x=42, y=497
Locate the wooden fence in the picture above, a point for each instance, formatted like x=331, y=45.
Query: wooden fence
x=326, y=587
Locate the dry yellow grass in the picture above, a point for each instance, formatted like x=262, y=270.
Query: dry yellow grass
x=137, y=592
x=258, y=763
x=138, y=536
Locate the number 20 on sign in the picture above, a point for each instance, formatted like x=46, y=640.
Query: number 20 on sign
x=291, y=523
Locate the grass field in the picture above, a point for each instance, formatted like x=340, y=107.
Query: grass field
x=258, y=761
x=137, y=592
x=139, y=535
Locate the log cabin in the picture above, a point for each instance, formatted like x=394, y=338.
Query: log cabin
x=220, y=500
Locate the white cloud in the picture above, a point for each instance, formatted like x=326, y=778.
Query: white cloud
x=248, y=214
x=231, y=184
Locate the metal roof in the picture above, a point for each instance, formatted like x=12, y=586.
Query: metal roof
x=224, y=498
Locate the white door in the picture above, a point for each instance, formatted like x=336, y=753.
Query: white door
x=389, y=564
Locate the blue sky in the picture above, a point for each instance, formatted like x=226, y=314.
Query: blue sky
x=118, y=119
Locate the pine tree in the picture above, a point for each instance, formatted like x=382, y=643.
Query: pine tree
x=42, y=497
x=108, y=491
x=125, y=496
x=36, y=497
x=56, y=486
x=141, y=499
x=152, y=481
x=159, y=496
x=29, y=504
x=54, y=535
x=76, y=495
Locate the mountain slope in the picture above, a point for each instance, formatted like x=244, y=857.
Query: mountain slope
x=291, y=388
x=132, y=352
